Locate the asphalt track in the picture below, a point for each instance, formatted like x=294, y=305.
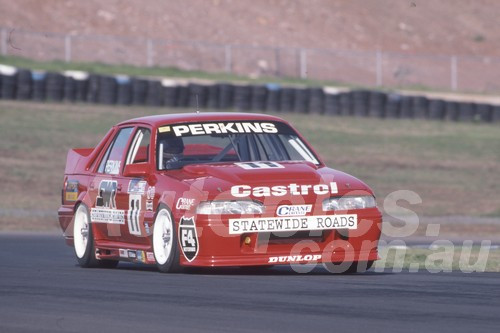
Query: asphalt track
x=42, y=290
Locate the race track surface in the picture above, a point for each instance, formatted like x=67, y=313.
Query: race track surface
x=42, y=290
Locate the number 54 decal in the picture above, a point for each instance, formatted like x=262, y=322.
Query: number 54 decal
x=188, y=238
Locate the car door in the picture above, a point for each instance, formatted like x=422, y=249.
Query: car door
x=134, y=196
x=107, y=218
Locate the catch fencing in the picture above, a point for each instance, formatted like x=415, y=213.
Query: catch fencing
x=366, y=68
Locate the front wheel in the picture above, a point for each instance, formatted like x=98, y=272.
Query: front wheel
x=165, y=244
x=83, y=239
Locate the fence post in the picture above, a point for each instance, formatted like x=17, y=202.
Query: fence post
x=228, y=59
x=4, y=41
x=303, y=64
x=67, y=48
x=379, y=75
x=454, y=73
x=149, y=52
x=277, y=61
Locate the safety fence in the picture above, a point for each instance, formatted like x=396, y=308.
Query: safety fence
x=82, y=87
x=367, y=68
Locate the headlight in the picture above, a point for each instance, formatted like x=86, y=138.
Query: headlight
x=347, y=203
x=230, y=207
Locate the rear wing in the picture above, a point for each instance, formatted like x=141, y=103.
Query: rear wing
x=79, y=160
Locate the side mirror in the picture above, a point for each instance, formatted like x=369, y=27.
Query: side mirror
x=136, y=170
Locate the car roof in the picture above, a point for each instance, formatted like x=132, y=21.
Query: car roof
x=159, y=120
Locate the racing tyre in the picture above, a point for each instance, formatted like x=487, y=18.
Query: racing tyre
x=84, y=241
x=165, y=244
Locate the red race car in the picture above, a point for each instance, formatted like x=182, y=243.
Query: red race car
x=214, y=189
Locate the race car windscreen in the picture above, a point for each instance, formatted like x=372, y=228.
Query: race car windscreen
x=221, y=142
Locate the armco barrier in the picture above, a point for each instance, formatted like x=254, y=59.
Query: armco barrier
x=77, y=86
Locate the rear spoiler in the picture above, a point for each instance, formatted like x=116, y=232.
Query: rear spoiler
x=79, y=160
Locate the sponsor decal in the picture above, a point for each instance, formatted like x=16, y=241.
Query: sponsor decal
x=293, y=210
x=112, y=167
x=105, y=210
x=136, y=186
x=150, y=195
x=241, y=191
x=184, y=203
x=297, y=258
x=132, y=254
x=149, y=205
x=188, y=238
x=134, y=213
x=123, y=253
x=164, y=129
x=71, y=190
x=259, y=165
x=150, y=257
x=221, y=128
x=146, y=228
x=276, y=224
x=141, y=256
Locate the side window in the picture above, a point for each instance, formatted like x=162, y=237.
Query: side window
x=139, y=148
x=111, y=162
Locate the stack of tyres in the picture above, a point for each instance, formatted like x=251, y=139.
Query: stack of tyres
x=69, y=88
x=39, y=82
x=258, y=98
x=376, y=104
x=170, y=93
x=242, y=97
x=483, y=112
x=24, y=85
x=139, y=90
x=81, y=86
x=420, y=107
x=332, y=104
x=226, y=96
x=274, y=97
x=107, y=90
x=123, y=90
x=436, y=109
x=197, y=96
x=316, y=100
x=451, y=110
x=406, y=107
x=393, y=106
x=154, y=94
x=286, y=99
x=301, y=100
x=213, y=97
x=93, y=88
x=360, y=102
x=9, y=82
x=466, y=111
x=495, y=113
x=345, y=102
x=183, y=97
x=55, y=87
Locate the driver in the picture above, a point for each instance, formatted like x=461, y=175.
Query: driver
x=172, y=152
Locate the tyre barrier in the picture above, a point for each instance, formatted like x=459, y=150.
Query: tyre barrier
x=24, y=85
x=76, y=86
x=39, y=82
x=8, y=78
x=274, y=96
x=258, y=98
x=316, y=100
x=123, y=90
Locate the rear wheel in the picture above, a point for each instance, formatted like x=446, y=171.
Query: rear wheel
x=165, y=245
x=83, y=239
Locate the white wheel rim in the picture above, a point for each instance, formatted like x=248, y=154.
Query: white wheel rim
x=163, y=234
x=81, y=231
